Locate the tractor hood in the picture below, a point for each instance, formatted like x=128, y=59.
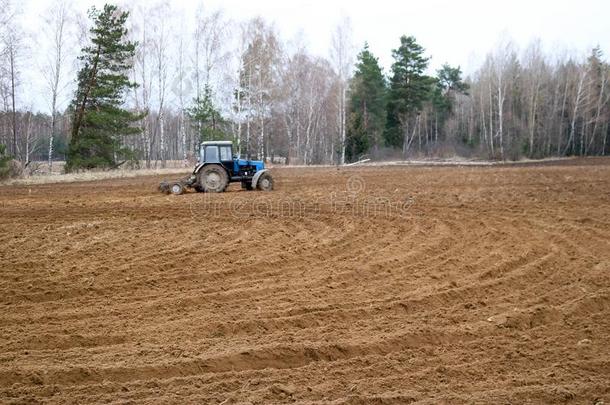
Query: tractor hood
x=258, y=164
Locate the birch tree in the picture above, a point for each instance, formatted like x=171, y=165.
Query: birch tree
x=181, y=88
x=11, y=48
x=307, y=89
x=259, y=73
x=159, y=44
x=503, y=61
x=142, y=74
x=342, y=57
x=209, y=53
x=534, y=72
x=580, y=75
x=55, y=69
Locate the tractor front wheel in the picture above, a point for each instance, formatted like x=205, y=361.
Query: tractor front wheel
x=213, y=179
x=265, y=182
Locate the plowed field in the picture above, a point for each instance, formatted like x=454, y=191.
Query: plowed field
x=385, y=285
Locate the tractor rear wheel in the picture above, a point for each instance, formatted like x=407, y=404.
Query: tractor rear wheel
x=213, y=179
x=265, y=182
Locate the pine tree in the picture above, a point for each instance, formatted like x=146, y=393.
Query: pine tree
x=450, y=79
x=447, y=84
x=99, y=121
x=366, y=106
x=409, y=89
x=206, y=118
x=357, y=141
x=4, y=160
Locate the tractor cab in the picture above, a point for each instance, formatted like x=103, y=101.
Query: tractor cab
x=218, y=152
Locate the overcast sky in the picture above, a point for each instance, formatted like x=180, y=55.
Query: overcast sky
x=457, y=32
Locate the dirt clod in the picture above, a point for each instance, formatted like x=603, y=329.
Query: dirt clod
x=287, y=389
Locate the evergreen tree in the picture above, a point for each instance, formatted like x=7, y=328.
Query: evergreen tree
x=206, y=118
x=366, y=106
x=450, y=79
x=4, y=159
x=409, y=89
x=357, y=141
x=99, y=121
x=445, y=86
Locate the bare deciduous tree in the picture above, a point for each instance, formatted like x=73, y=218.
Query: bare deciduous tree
x=11, y=37
x=160, y=13
x=142, y=74
x=259, y=80
x=57, y=18
x=342, y=57
x=181, y=87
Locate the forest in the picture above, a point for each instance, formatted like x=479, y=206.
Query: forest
x=207, y=76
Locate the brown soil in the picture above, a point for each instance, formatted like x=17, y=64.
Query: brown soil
x=382, y=285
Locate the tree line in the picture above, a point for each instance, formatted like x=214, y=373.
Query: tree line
x=136, y=85
x=513, y=106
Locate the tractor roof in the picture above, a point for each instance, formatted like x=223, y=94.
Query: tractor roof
x=216, y=143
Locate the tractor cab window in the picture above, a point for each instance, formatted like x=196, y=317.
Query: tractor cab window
x=225, y=153
x=211, y=153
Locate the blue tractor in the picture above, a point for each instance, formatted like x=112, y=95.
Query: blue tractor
x=217, y=167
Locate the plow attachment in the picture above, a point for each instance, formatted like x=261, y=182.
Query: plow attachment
x=176, y=187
